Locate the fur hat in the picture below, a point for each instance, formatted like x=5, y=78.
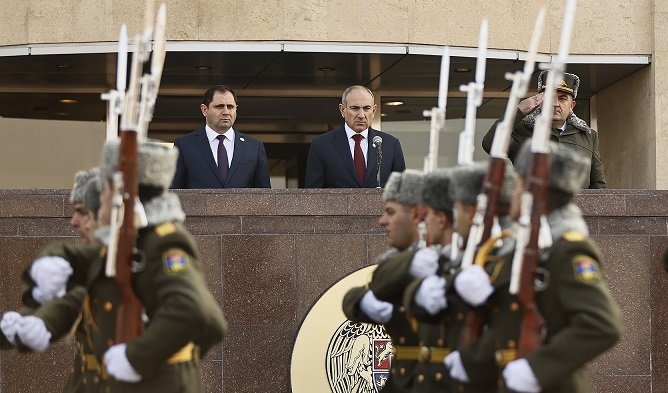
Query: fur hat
x=568, y=168
x=435, y=190
x=404, y=187
x=569, y=84
x=509, y=180
x=466, y=182
x=156, y=161
x=91, y=197
x=81, y=178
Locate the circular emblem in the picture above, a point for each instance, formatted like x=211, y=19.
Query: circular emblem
x=334, y=354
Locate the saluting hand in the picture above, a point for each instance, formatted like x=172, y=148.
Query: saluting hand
x=530, y=104
x=118, y=365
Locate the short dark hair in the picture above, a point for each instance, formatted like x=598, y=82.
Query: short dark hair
x=211, y=91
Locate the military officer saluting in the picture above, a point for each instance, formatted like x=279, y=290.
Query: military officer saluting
x=183, y=319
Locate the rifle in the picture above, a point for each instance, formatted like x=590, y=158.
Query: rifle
x=136, y=103
x=474, y=320
x=534, y=204
x=116, y=97
x=485, y=220
x=437, y=125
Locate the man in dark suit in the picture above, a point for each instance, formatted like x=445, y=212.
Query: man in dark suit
x=347, y=156
x=216, y=155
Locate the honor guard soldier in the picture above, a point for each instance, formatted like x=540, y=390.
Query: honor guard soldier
x=55, y=318
x=571, y=292
x=431, y=374
x=380, y=300
x=182, y=319
x=435, y=298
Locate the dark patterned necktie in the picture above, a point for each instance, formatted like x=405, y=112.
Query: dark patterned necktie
x=222, y=157
x=360, y=165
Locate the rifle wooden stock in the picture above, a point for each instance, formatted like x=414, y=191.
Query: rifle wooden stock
x=533, y=322
x=474, y=322
x=128, y=319
x=492, y=186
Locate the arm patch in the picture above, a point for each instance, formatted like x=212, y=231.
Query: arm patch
x=175, y=261
x=586, y=269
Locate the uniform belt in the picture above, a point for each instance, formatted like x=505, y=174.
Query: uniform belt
x=505, y=356
x=421, y=353
x=184, y=354
x=90, y=362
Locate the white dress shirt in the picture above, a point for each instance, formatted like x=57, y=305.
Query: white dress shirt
x=228, y=142
x=364, y=143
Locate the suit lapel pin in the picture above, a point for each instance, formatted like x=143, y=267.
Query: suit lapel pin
x=242, y=139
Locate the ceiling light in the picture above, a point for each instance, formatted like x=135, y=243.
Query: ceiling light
x=462, y=69
x=325, y=69
x=63, y=66
x=394, y=103
x=68, y=101
x=203, y=67
x=383, y=114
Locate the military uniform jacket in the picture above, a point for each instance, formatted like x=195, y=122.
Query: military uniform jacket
x=450, y=321
x=401, y=330
x=179, y=307
x=583, y=139
x=578, y=311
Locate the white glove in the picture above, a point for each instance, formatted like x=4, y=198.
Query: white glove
x=424, y=263
x=520, y=377
x=10, y=325
x=51, y=275
x=34, y=334
x=118, y=365
x=377, y=310
x=472, y=284
x=457, y=371
x=431, y=294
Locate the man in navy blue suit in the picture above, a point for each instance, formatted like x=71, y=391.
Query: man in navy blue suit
x=240, y=162
x=332, y=160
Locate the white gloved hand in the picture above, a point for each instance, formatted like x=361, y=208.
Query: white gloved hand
x=520, y=377
x=34, y=334
x=9, y=325
x=431, y=294
x=377, y=310
x=457, y=371
x=51, y=275
x=118, y=365
x=473, y=285
x=424, y=263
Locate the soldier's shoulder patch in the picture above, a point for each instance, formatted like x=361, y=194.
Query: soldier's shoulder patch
x=165, y=229
x=175, y=261
x=573, y=236
x=586, y=269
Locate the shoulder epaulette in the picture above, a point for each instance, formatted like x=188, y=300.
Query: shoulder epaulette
x=573, y=236
x=165, y=229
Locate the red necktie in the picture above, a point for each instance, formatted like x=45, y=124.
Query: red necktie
x=222, y=157
x=360, y=165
